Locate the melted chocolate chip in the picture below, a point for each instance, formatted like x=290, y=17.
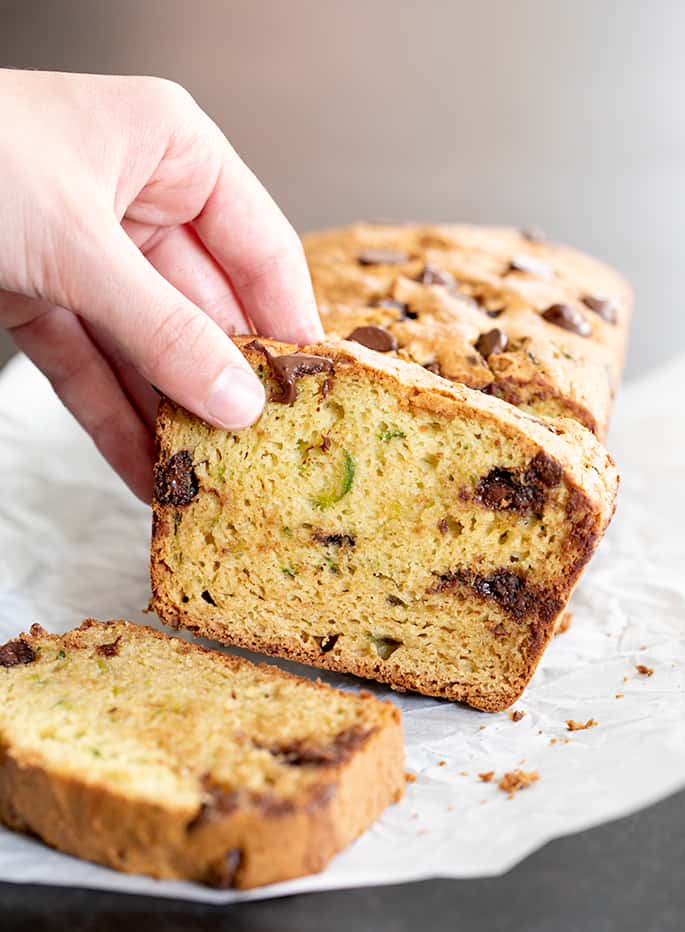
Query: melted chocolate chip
x=433, y=367
x=327, y=642
x=223, y=873
x=207, y=596
x=601, y=306
x=335, y=540
x=175, y=480
x=509, y=590
x=531, y=266
x=343, y=745
x=382, y=257
x=495, y=311
x=443, y=526
x=374, y=337
x=286, y=370
x=394, y=600
x=109, y=650
x=432, y=275
x=516, y=490
x=569, y=318
x=492, y=342
x=220, y=803
x=17, y=652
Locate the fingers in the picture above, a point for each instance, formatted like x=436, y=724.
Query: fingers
x=57, y=343
x=245, y=231
x=169, y=339
x=180, y=257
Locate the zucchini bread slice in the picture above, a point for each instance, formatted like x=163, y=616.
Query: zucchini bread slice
x=377, y=520
x=536, y=323
x=151, y=755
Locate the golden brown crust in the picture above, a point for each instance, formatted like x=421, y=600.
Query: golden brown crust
x=481, y=278
x=588, y=472
x=246, y=845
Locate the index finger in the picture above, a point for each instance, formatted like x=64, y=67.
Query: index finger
x=262, y=255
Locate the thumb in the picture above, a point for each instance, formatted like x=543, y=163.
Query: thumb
x=175, y=345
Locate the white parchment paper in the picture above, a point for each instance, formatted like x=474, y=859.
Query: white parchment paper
x=74, y=543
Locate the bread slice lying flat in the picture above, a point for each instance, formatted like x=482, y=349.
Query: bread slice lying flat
x=378, y=520
x=150, y=755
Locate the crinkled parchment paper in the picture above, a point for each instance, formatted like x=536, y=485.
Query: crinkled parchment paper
x=74, y=542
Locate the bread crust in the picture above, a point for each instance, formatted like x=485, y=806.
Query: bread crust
x=252, y=844
x=587, y=468
x=477, y=274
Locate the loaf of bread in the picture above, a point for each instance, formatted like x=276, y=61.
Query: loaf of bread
x=378, y=520
x=150, y=755
x=537, y=324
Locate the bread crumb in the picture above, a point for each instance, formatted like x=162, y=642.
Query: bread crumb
x=580, y=726
x=463, y=773
x=482, y=728
x=516, y=714
x=442, y=763
x=552, y=740
x=540, y=731
x=487, y=777
x=620, y=695
x=410, y=777
x=645, y=671
x=450, y=808
x=564, y=623
x=626, y=678
x=516, y=780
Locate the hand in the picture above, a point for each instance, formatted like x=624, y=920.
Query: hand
x=132, y=241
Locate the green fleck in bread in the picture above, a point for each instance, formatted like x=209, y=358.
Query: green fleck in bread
x=378, y=520
x=150, y=755
x=536, y=323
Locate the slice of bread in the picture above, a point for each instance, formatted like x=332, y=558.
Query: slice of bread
x=134, y=749
x=378, y=520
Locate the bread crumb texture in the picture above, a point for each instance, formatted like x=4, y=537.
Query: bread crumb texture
x=378, y=520
x=150, y=755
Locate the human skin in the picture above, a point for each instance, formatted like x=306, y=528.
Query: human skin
x=133, y=240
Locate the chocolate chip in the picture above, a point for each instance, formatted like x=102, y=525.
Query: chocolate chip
x=495, y=312
x=301, y=753
x=507, y=589
x=531, y=266
x=519, y=490
x=335, y=540
x=443, y=526
x=492, y=342
x=394, y=600
x=432, y=275
x=601, y=306
x=207, y=596
x=175, y=480
x=286, y=370
x=109, y=650
x=569, y=318
x=327, y=642
x=374, y=337
x=16, y=652
x=223, y=873
x=433, y=367
x=533, y=235
x=382, y=257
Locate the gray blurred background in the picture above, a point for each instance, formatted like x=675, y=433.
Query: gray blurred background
x=566, y=116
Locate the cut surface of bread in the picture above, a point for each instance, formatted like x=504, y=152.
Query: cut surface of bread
x=536, y=323
x=150, y=755
x=378, y=520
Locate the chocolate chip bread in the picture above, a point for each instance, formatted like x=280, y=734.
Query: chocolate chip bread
x=378, y=520
x=537, y=324
x=150, y=755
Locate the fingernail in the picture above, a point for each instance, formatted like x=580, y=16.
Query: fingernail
x=235, y=398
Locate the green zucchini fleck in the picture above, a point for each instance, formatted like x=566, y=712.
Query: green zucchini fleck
x=289, y=571
x=391, y=433
x=333, y=496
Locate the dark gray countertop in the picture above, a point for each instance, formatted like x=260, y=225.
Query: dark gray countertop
x=625, y=876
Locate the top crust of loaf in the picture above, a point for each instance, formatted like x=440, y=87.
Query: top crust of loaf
x=442, y=289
